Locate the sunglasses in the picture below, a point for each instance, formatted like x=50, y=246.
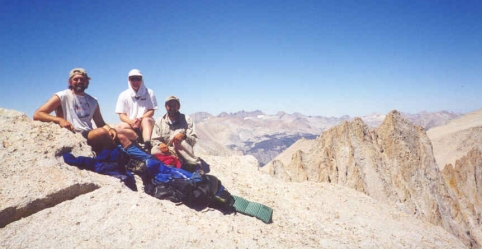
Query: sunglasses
x=135, y=78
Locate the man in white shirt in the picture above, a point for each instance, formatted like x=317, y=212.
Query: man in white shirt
x=136, y=107
x=75, y=110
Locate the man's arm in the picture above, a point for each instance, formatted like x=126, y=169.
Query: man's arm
x=98, y=120
x=124, y=118
x=53, y=104
x=190, y=136
x=59, y=112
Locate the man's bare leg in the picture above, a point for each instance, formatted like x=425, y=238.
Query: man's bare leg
x=100, y=139
x=126, y=130
x=147, y=125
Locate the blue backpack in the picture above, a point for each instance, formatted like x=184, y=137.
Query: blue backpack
x=181, y=186
x=178, y=185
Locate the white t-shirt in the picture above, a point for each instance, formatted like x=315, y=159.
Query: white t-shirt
x=135, y=106
x=78, y=110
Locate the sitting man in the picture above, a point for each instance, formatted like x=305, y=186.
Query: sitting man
x=176, y=130
x=135, y=107
x=75, y=110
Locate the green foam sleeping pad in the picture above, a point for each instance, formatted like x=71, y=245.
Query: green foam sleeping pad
x=254, y=209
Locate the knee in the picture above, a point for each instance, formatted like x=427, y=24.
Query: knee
x=99, y=139
x=183, y=148
x=148, y=121
x=96, y=133
x=186, y=145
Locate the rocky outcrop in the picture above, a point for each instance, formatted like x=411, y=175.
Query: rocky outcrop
x=45, y=203
x=465, y=183
x=393, y=163
x=32, y=176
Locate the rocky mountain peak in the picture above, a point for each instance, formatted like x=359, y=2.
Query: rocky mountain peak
x=45, y=203
x=200, y=116
x=241, y=114
x=393, y=163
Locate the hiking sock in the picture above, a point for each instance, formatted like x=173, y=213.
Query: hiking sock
x=148, y=146
x=139, y=136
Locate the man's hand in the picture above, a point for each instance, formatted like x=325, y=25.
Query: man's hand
x=163, y=147
x=113, y=134
x=66, y=124
x=136, y=123
x=178, y=137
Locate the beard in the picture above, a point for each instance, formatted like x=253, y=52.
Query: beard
x=173, y=114
x=78, y=88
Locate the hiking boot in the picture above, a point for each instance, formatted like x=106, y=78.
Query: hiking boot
x=204, y=166
x=192, y=167
x=226, y=198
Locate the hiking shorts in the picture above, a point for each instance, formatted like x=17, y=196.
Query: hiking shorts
x=85, y=134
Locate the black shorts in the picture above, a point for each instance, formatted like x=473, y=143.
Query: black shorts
x=85, y=134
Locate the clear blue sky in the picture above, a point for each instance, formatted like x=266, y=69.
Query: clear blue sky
x=324, y=58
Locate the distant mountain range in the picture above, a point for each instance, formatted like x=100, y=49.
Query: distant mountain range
x=265, y=136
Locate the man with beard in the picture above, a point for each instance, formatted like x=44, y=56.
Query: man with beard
x=75, y=109
x=176, y=131
x=136, y=107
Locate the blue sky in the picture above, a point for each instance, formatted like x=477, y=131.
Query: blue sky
x=323, y=58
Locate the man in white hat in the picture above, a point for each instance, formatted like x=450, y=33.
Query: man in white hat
x=176, y=130
x=136, y=107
